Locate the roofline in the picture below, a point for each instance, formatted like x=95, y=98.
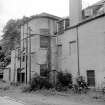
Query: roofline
x=96, y=4
x=63, y=19
x=86, y=21
x=99, y=3
x=91, y=19
x=38, y=16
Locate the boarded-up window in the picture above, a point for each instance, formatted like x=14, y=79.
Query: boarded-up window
x=43, y=70
x=44, y=41
x=91, y=77
x=72, y=47
x=59, y=50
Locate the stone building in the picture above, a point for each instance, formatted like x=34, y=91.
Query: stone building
x=15, y=66
x=81, y=45
x=75, y=44
x=38, y=45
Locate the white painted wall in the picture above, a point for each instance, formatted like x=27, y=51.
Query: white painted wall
x=91, y=47
x=67, y=62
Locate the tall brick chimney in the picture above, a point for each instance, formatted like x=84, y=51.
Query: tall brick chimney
x=75, y=11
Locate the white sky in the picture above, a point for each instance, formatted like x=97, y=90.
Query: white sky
x=19, y=8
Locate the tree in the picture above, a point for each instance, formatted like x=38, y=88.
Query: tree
x=4, y=60
x=11, y=35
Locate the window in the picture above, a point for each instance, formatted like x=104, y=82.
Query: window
x=59, y=50
x=72, y=47
x=66, y=23
x=43, y=70
x=44, y=41
x=18, y=55
x=61, y=27
x=23, y=57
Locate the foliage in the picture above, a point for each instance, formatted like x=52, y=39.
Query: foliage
x=80, y=86
x=11, y=35
x=64, y=81
x=38, y=82
x=26, y=88
x=4, y=60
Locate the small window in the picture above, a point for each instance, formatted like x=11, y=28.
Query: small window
x=59, y=50
x=72, y=47
x=18, y=54
x=23, y=58
x=66, y=23
x=44, y=41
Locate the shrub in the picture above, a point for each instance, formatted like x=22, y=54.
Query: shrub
x=35, y=83
x=26, y=88
x=64, y=81
x=14, y=84
x=80, y=86
x=44, y=83
x=38, y=82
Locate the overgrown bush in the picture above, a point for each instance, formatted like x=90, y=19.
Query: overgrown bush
x=64, y=81
x=14, y=84
x=80, y=86
x=44, y=83
x=26, y=88
x=38, y=82
x=34, y=84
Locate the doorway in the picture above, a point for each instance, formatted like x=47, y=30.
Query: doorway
x=21, y=77
x=91, y=77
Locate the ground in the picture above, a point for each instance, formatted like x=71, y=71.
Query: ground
x=44, y=97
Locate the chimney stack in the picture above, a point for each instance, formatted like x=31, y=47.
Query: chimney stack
x=75, y=12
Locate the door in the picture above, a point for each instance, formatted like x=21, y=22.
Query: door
x=91, y=77
x=21, y=77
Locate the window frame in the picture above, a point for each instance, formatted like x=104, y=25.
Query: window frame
x=59, y=51
x=44, y=72
x=41, y=42
x=70, y=48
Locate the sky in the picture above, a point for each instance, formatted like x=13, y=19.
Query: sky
x=14, y=9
